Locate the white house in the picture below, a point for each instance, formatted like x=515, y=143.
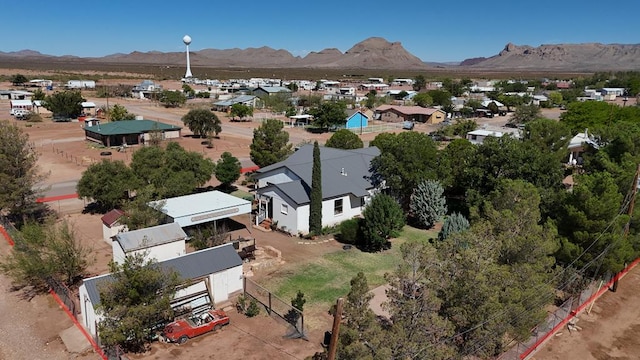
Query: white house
x=212, y=275
x=160, y=242
x=111, y=225
x=283, y=191
x=578, y=145
x=477, y=136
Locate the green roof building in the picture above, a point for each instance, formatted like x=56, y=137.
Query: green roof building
x=128, y=132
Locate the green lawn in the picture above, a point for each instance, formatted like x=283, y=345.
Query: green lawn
x=242, y=194
x=325, y=279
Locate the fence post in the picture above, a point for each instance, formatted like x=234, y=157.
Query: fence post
x=269, y=309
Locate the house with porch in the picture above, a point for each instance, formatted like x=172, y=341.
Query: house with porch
x=283, y=189
x=398, y=113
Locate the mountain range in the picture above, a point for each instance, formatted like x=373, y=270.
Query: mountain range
x=377, y=53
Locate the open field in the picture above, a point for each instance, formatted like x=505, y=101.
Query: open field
x=98, y=71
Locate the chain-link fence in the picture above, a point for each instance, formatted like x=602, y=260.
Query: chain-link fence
x=64, y=293
x=10, y=229
x=277, y=306
x=554, y=322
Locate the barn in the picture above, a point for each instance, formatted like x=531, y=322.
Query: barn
x=211, y=277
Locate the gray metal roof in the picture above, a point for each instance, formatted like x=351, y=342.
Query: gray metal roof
x=201, y=203
x=343, y=172
x=190, y=266
x=149, y=237
x=236, y=100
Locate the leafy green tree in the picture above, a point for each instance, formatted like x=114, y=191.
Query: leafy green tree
x=454, y=223
x=454, y=162
x=370, y=101
x=405, y=160
x=440, y=97
x=241, y=111
x=419, y=82
x=188, y=90
x=422, y=100
x=108, y=183
x=328, y=114
x=493, y=107
x=38, y=94
x=19, y=174
x=383, y=219
x=45, y=251
x=525, y=114
x=555, y=97
x=344, y=139
x=118, y=113
x=548, y=136
x=418, y=331
x=141, y=212
x=202, y=122
x=170, y=98
x=474, y=104
x=135, y=299
x=227, y=169
x=173, y=171
x=64, y=103
x=270, y=143
x=428, y=203
x=315, y=205
x=278, y=103
x=18, y=79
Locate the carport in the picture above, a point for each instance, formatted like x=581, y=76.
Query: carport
x=194, y=209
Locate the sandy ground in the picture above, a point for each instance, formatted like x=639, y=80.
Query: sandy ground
x=610, y=331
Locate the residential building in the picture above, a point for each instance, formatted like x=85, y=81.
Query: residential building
x=211, y=277
x=160, y=242
x=225, y=105
x=264, y=91
x=397, y=113
x=283, y=189
x=129, y=132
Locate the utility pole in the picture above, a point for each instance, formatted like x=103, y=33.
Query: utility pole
x=337, y=318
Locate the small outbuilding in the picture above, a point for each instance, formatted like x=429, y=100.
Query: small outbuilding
x=160, y=242
x=129, y=132
x=111, y=225
x=211, y=277
x=203, y=207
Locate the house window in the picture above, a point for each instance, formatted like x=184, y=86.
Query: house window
x=337, y=207
x=284, y=209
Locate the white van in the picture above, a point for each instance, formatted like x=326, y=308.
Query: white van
x=21, y=113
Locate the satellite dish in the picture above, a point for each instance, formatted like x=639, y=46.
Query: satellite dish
x=186, y=39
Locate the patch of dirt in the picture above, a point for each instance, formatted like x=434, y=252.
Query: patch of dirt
x=609, y=332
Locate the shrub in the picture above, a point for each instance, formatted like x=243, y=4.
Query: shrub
x=252, y=309
x=350, y=231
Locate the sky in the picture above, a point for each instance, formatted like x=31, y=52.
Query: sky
x=434, y=31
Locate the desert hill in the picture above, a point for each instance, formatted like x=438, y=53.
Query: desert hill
x=562, y=57
x=375, y=53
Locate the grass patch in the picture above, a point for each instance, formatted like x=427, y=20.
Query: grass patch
x=325, y=279
x=242, y=194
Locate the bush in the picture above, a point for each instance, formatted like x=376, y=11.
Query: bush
x=350, y=231
x=252, y=309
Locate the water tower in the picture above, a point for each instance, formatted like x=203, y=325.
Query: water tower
x=187, y=40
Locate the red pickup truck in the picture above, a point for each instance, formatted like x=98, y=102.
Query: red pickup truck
x=182, y=330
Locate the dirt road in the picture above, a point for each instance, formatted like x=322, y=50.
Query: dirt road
x=610, y=331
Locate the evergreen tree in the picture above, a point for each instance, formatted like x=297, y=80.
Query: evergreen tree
x=454, y=223
x=428, y=204
x=270, y=143
x=228, y=169
x=315, y=206
x=383, y=219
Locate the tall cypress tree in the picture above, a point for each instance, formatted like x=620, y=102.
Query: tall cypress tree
x=315, y=207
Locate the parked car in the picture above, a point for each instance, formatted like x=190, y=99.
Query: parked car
x=408, y=125
x=182, y=330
